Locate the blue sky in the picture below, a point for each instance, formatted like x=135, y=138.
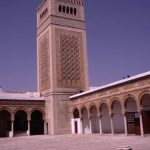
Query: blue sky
x=118, y=40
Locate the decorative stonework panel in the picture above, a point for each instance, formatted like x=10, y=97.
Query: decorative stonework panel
x=70, y=58
x=70, y=63
x=44, y=63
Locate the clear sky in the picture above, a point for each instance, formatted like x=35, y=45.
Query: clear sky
x=118, y=40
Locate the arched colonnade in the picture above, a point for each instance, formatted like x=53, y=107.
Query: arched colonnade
x=129, y=115
x=21, y=122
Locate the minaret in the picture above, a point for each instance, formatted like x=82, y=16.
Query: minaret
x=61, y=58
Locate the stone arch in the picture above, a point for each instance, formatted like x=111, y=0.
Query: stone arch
x=75, y=107
x=81, y=110
x=5, y=121
x=90, y=106
x=37, y=117
x=39, y=109
x=112, y=103
x=125, y=101
x=5, y=108
x=142, y=94
x=21, y=108
x=9, y=110
x=100, y=106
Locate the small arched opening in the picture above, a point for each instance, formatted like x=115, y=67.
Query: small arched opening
x=37, y=123
x=75, y=11
x=67, y=10
x=20, y=123
x=76, y=113
x=71, y=10
x=59, y=8
x=64, y=9
x=5, y=123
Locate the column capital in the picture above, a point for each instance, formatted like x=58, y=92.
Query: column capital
x=140, y=111
x=81, y=118
x=124, y=113
x=111, y=114
x=90, y=117
x=100, y=116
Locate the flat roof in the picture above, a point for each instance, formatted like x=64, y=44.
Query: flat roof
x=22, y=98
x=113, y=84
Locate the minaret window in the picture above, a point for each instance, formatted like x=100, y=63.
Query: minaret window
x=60, y=8
x=64, y=9
x=75, y=11
x=71, y=10
x=67, y=10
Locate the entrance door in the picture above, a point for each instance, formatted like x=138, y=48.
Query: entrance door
x=76, y=127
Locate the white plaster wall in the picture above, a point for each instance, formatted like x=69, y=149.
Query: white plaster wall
x=106, y=126
x=118, y=118
x=85, y=122
x=95, y=121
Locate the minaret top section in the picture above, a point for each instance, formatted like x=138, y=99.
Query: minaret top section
x=73, y=2
x=60, y=9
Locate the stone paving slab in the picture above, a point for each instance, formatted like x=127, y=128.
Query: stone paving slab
x=74, y=142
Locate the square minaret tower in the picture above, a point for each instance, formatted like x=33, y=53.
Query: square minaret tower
x=61, y=58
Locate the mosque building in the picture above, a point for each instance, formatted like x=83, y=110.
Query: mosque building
x=64, y=103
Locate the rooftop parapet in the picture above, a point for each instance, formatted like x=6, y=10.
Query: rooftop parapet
x=77, y=2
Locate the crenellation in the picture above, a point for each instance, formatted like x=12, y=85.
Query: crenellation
x=42, y=4
x=75, y=2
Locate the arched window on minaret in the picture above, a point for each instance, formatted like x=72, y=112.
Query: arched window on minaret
x=59, y=8
x=64, y=9
x=75, y=11
x=67, y=10
x=71, y=10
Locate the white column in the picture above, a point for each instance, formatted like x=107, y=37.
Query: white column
x=81, y=130
x=90, y=122
x=28, y=128
x=45, y=128
x=112, y=127
x=100, y=125
x=141, y=124
x=125, y=124
x=12, y=128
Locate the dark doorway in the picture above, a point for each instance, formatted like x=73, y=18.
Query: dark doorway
x=20, y=123
x=5, y=122
x=37, y=123
x=133, y=123
x=76, y=127
x=146, y=121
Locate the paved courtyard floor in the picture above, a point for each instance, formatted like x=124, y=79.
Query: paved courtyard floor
x=74, y=142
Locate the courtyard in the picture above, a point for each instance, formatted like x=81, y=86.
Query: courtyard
x=74, y=142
